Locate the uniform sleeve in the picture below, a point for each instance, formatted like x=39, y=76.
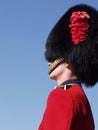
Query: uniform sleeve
x=59, y=112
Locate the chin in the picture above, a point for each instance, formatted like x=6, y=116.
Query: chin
x=52, y=76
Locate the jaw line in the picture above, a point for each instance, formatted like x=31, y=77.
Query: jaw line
x=55, y=64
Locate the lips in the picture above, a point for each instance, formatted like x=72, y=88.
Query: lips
x=55, y=64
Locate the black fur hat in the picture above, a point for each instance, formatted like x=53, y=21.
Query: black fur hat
x=75, y=38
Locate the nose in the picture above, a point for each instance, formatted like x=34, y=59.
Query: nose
x=49, y=64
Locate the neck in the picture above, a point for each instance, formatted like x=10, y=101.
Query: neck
x=67, y=75
x=60, y=81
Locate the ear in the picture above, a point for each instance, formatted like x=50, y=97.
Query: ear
x=69, y=66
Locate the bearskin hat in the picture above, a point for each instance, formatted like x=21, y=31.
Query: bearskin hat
x=75, y=38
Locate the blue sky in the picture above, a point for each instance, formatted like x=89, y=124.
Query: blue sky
x=24, y=81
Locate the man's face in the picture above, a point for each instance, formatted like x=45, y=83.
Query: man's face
x=57, y=70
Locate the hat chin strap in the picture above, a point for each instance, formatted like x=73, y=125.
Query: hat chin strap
x=55, y=64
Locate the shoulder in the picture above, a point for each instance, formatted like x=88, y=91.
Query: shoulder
x=60, y=98
x=73, y=95
x=73, y=91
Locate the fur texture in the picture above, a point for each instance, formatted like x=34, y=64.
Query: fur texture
x=83, y=56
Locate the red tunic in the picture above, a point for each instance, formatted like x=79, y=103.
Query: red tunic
x=67, y=110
